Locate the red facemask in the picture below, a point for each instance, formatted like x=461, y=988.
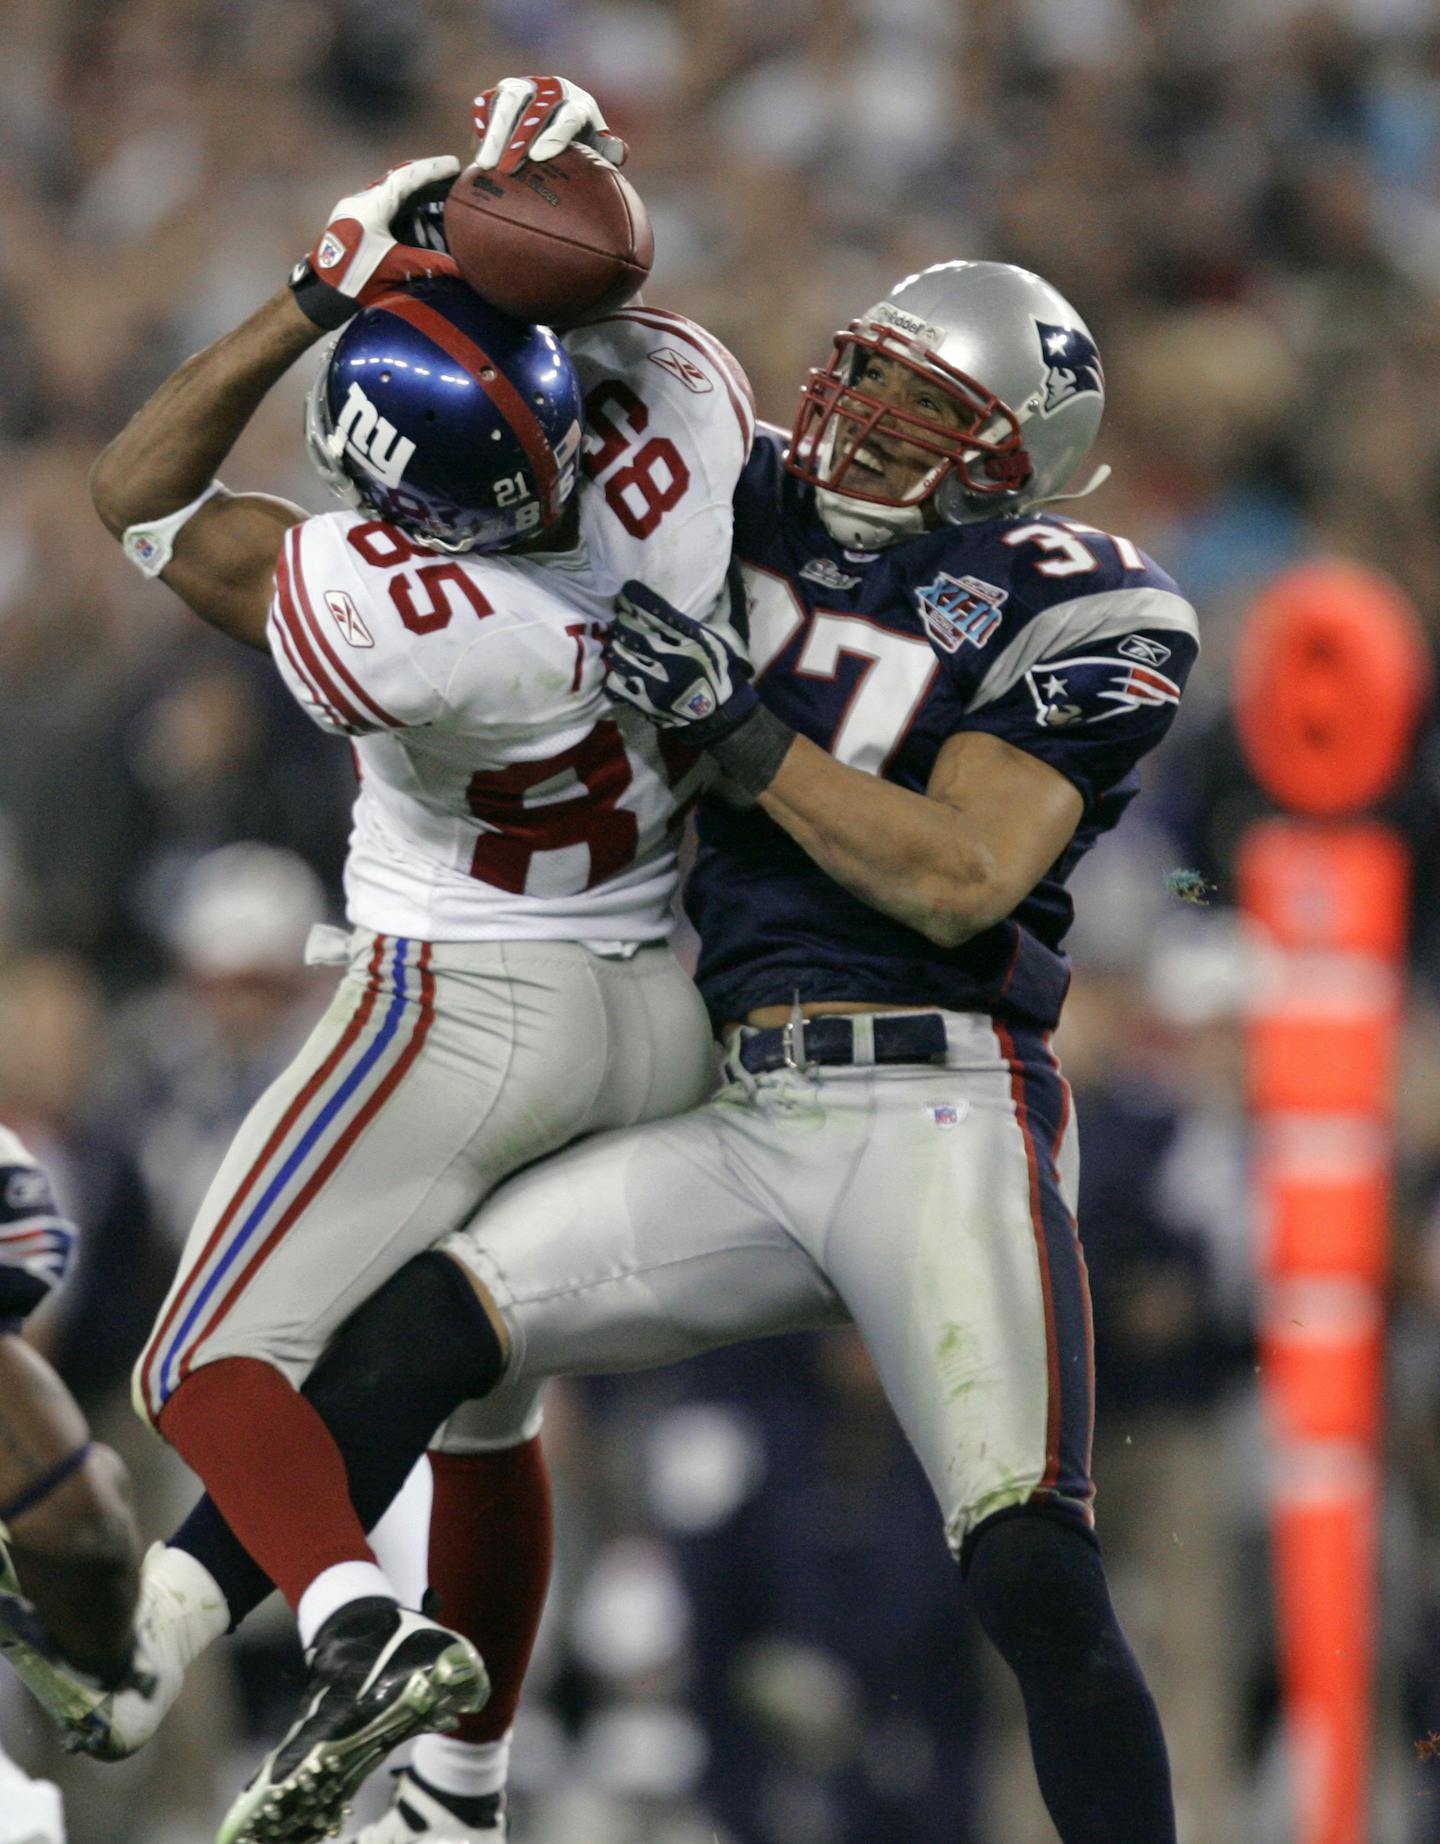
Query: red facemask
x=830, y=407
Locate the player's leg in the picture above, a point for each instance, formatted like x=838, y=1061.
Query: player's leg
x=521, y=1053
x=65, y=1509
x=435, y=1074
x=632, y=1250
x=956, y=1251
x=491, y=1542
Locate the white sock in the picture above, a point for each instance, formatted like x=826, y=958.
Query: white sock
x=470, y=1770
x=336, y=1587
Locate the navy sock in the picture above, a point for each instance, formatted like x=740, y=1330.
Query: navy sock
x=1038, y=1586
x=398, y=1367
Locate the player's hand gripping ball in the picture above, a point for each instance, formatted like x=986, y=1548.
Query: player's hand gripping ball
x=554, y=242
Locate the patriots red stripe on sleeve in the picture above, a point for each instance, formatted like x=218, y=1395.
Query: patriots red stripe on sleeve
x=1141, y=678
x=342, y=672
x=737, y=385
x=314, y=673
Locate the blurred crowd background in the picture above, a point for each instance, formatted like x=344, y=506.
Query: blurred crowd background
x=755, y=1636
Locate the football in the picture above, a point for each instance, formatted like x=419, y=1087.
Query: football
x=558, y=240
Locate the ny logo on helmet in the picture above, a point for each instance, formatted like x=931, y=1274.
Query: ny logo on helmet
x=1072, y=365
x=371, y=438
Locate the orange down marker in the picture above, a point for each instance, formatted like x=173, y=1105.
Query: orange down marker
x=1330, y=679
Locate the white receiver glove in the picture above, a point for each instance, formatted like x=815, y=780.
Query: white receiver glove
x=535, y=118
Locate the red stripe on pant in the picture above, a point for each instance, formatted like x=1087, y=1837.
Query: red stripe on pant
x=292, y=1114
x=318, y=1178
x=1042, y=1255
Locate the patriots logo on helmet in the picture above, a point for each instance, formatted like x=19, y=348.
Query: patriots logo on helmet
x=1072, y=365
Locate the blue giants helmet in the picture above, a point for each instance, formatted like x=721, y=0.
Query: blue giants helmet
x=447, y=418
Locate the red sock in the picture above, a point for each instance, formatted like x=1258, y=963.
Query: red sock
x=491, y=1539
x=271, y=1466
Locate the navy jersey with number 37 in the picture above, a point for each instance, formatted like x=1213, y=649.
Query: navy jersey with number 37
x=1060, y=639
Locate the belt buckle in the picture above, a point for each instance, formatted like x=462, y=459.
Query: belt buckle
x=791, y=1033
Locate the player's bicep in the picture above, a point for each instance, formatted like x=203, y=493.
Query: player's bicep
x=1024, y=811
x=223, y=564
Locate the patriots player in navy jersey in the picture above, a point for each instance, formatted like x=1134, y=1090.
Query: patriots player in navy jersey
x=939, y=707
x=68, y=1546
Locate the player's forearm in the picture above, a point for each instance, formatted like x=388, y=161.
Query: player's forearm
x=907, y=855
x=172, y=448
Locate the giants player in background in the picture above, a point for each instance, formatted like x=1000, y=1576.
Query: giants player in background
x=68, y=1544
x=509, y=885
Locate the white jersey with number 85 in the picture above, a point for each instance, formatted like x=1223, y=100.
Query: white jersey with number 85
x=501, y=796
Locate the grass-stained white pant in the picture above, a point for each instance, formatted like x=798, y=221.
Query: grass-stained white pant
x=930, y=1204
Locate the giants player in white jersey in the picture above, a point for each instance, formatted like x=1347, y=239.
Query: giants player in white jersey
x=507, y=986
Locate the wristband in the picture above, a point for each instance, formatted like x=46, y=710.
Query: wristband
x=323, y=305
x=151, y=546
x=751, y=754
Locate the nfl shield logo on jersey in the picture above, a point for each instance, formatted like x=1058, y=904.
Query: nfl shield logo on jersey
x=958, y=609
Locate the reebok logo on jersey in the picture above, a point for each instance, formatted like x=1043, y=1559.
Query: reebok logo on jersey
x=372, y=438
x=828, y=575
x=1140, y=646
x=1093, y=688
x=960, y=610
x=686, y=370
x=347, y=618
x=27, y=1188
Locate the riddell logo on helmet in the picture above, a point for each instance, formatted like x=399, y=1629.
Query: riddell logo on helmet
x=373, y=439
x=887, y=316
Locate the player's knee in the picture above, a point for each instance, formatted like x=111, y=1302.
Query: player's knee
x=429, y=1314
x=1038, y=1588
x=508, y=1418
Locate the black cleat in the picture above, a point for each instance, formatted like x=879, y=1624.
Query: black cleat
x=377, y=1675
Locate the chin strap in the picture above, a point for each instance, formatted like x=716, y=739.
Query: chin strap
x=1096, y=480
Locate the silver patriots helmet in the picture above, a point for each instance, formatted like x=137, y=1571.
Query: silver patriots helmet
x=1004, y=346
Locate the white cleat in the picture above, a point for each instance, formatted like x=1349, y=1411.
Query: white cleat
x=416, y=1816
x=179, y=1612
x=29, y=1809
